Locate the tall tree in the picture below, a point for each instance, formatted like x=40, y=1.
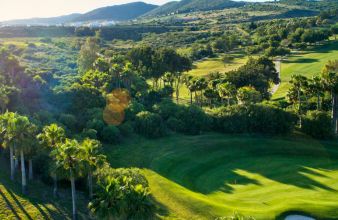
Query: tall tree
x=88, y=54
x=53, y=136
x=17, y=132
x=8, y=138
x=93, y=159
x=248, y=95
x=316, y=89
x=296, y=92
x=330, y=80
x=68, y=157
x=189, y=82
x=226, y=91
x=23, y=132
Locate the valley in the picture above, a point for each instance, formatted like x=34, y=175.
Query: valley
x=193, y=109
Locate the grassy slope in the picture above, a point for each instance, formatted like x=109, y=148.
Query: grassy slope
x=202, y=177
x=203, y=68
x=38, y=204
x=308, y=63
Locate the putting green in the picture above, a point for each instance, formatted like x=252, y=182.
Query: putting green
x=212, y=175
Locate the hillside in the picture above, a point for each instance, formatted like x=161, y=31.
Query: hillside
x=117, y=12
x=42, y=21
x=111, y=13
x=193, y=5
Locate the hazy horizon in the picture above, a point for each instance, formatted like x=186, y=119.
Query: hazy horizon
x=17, y=9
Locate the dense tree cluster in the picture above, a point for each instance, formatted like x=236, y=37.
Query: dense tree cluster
x=318, y=93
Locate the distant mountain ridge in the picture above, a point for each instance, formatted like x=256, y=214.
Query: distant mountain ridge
x=42, y=21
x=117, y=12
x=193, y=5
x=111, y=13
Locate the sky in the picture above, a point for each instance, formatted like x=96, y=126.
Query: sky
x=19, y=9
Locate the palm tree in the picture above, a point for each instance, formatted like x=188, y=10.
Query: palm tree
x=31, y=151
x=17, y=132
x=7, y=138
x=91, y=150
x=201, y=85
x=190, y=84
x=316, y=89
x=68, y=157
x=295, y=93
x=23, y=132
x=53, y=136
x=226, y=91
x=127, y=75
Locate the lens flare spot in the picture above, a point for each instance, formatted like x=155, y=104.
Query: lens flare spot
x=117, y=101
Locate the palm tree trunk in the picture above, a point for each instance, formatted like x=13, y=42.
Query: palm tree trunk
x=299, y=109
x=55, y=189
x=334, y=113
x=23, y=173
x=318, y=103
x=30, y=167
x=178, y=88
x=90, y=184
x=72, y=181
x=16, y=162
x=11, y=153
x=190, y=97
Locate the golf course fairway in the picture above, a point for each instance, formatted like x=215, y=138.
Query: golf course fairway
x=215, y=175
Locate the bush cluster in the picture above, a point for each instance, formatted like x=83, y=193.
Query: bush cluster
x=317, y=124
x=149, y=124
x=255, y=118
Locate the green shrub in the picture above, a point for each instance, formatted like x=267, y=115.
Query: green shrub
x=69, y=121
x=318, y=125
x=89, y=133
x=133, y=109
x=125, y=193
x=126, y=128
x=193, y=119
x=96, y=124
x=149, y=124
x=111, y=134
x=44, y=117
x=253, y=119
x=166, y=109
x=175, y=124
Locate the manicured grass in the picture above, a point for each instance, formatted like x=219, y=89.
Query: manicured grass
x=211, y=175
x=204, y=67
x=307, y=63
x=38, y=203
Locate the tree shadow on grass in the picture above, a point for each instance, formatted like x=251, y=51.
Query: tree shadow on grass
x=290, y=162
x=9, y=205
x=43, y=213
x=159, y=208
x=225, y=179
x=19, y=204
x=13, y=192
x=302, y=60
